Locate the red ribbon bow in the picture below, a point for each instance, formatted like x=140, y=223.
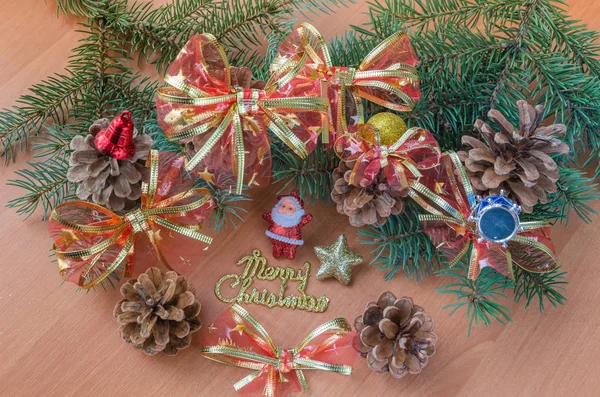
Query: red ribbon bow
x=232, y=122
x=446, y=194
x=386, y=76
x=416, y=150
x=236, y=338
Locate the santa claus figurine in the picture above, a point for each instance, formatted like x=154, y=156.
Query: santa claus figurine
x=286, y=220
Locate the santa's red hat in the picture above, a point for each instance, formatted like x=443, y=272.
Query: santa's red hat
x=294, y=195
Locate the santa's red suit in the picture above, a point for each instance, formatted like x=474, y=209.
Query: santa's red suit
x=285, y=229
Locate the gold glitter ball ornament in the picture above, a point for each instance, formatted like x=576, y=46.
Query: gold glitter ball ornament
x=337, y=261
x=390, y=126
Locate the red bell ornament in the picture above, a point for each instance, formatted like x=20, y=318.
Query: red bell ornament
x=116, y=140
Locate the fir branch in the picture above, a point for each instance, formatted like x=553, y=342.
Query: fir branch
x=80, y=8
x=311, y=176
x=480, y=297
x=401, y=244
x=46, y=185
x=49, y=100
x=157, y=34
x=575, y=190
x=54, y=143
x=545, y=286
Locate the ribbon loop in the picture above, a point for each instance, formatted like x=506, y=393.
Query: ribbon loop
x=225, y=126
x=91, y=242
x=386, y=76
x=237, y=339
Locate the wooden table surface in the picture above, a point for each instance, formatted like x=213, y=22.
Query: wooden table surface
x=55, y=341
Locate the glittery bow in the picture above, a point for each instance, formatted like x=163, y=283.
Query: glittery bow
x=416, y=150
x=233, y=121
x=446, y=194
x=237, y=339
x=386, y=76
x=92, y=242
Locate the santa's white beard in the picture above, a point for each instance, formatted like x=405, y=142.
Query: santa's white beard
x=286, y=220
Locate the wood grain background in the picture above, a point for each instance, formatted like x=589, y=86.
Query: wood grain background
x=58, y=342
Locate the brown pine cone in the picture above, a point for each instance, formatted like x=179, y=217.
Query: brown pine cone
x=365, y=206
x=114, y=184
x=396, y=336
x=240, y=77
x=159, y=312
x=515, y=160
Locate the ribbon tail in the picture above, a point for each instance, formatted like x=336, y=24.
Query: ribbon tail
x=509, y=264
x=302, y=379
x=246, y=380
x=239, y=153
x=270, y=389
x=474, y=268
x=212, y=141
x=186, y=231
x=286, y=135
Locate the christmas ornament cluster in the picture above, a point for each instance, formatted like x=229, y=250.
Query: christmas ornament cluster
x=139, y=206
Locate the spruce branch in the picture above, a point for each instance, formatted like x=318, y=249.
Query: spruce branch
x=311, y=176
x=575, y=191
x=479, y=297
x=227, y=206
x=401, y=244
x=546, y=287
x=46, y=184
x=49, y=100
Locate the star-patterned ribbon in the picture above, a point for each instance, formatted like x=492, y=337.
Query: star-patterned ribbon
x=231, y=121
x=238, y=339
x=386, y=76
x=415, y=151
x=92, y=242
x=446, y=194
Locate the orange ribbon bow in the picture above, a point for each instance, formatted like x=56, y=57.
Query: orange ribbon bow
x=91, y=242
x=386, y=76
x=238, y=339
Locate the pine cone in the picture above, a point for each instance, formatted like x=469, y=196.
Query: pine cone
x=240, y=77
x=159, y=312
x=396, y=336
x=365, y=206
x=515, y=160
x=115, y=184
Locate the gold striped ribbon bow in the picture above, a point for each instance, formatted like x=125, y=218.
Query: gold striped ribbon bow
x=227, y=125
x=236, y=338
x=92, y=242
x=415, y=151
x=446, y=194
x=386, y=76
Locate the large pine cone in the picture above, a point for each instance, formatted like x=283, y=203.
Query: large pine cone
x=240, y=77
x=396, y=336
x=104, y=180
x=365, y=206
x=515, y=160
x=159, y=312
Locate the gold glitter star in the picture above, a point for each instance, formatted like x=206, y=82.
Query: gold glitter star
x=337, y=261
x=211, y=328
